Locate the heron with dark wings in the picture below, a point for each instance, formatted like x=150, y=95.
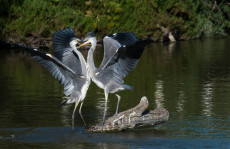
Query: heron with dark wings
x=121, y=54
x=68, y=66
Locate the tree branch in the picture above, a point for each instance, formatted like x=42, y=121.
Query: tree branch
x=135, y=117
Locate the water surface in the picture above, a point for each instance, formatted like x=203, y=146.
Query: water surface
x=191, y=79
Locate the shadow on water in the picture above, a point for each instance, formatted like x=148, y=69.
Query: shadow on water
x=191, y=79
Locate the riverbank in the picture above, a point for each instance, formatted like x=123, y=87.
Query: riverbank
x=33, y=22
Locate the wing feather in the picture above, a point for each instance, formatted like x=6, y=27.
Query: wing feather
x=128, y=57
x=63, y=51
x=57, y=69
x=112, y=43
x=65, y=75
x=61, y=42
x=121, y=54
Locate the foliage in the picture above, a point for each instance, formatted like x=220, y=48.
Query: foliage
x=185, y=19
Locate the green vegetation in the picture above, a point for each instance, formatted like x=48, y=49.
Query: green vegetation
x=185, y=19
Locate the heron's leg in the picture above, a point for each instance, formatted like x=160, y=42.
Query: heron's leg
x=118, y=101
x=81, y=114
x=73, y=115
x=105, y=110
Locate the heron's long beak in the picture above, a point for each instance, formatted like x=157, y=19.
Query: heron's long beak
x=88, y=43
x=78, y=42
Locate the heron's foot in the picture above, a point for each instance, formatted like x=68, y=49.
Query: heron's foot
x=115, y=114
x=102, y=126
x=87, y=127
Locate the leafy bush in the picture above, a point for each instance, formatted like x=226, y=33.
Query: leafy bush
x=185, y=19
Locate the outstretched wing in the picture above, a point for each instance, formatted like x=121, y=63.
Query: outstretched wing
x=63, y=51
x=127, y=58
x=61, y=72
x=61, y=42
x=121, y=54
x=112, y=43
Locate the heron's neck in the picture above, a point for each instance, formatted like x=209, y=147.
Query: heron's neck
x=81, y=58
x=90, y=60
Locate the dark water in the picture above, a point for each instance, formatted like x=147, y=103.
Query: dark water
x=191, y=79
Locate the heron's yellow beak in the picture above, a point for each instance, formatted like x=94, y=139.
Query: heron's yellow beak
x=85, y=43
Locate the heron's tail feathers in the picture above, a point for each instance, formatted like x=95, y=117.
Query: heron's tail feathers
x=127, y=87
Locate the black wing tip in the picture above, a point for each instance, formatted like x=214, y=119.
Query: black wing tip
x=36, y=51
x=124, y=38
x=135, y=50
x=147, y=40
x=121, y=34
x=33, y=51
x=143, y=42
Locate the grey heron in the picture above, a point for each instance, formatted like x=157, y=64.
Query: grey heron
x=68, y=67
x=121, y=54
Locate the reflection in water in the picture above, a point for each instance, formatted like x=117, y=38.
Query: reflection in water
x=159, y=94
x=100, y=105
x=171, y=47
x=65, y=115
x=181, y=101
x=207, y=95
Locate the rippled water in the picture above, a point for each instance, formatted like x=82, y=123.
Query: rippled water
x=191, y=79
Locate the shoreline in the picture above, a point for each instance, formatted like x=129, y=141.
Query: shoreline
x=40, y=42
x=46, y=43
